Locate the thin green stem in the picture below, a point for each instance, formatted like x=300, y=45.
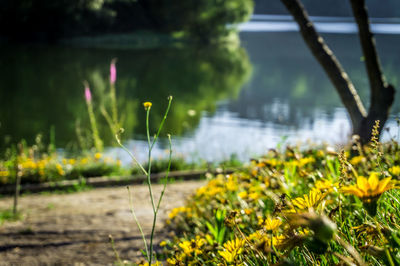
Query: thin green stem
x=162, y=122
x=149, y=255
x=115, y=250
x=113, y=127
x=149, y=185
x=114, y=104
x=130, y=154
x=149, y=160
x=97, y=141
x=151, y=145
x=162, y=193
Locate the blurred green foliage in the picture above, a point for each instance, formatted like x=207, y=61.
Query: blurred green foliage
x=202, y=20
x=51, y=20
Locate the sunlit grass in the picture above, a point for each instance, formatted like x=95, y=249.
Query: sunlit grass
x=315, y=206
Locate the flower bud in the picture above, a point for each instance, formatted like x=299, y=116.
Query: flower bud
x=324, y=229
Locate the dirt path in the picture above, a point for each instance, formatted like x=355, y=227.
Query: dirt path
x=73, y=229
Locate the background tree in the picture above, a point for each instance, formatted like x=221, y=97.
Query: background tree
x=198, y=19
x=381, y=93
x=201, y=20
x=50, y=20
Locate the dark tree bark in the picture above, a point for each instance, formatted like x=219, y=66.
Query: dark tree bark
x=382, y=94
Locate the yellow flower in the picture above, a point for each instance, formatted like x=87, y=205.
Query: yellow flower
x=262, y=238
x=248, y=211
x=147, y=105
x=192, y=246
x=232, y=248
x=357, y=159
x=60, y=170
x=163, y=243
x=276, y=241
x=178, y=210
x=255, y=195
x=242, y=194
x=228, y=256
x=157, y=263
x=312, y=200
x=260, y=164
x=307, y=160
x=98, y=155
x=4, y=173
x=231, y=185
x=325, y=185
x=395, y=170
x=320, y=153
x=272, y=162
x=29, y=164
x=270, y=224
x=172, y=261
x=369, y=189
x=255, y=236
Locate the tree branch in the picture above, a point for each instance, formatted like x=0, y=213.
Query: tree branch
x=329, y=62
x=382, y=94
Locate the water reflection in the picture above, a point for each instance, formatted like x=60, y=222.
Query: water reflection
x=227, y=99
x=288, y=85
x=42, y=87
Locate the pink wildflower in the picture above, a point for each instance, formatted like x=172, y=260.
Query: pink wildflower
x=113, y=72
x=88, y=94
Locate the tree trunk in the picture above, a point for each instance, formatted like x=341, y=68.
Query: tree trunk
x=382, y=94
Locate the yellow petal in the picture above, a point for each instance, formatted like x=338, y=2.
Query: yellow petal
x=384, y=185
x=373, y=181
x=353, y=190
x=362, y=184
x=299, y=203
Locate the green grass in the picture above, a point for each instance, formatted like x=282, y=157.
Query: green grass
x=8, y=215
x=296, y=207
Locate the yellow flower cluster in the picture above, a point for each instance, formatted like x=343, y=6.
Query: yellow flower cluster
x=261, y=213
x=178, y=210
x=232, y=249
x=51, y=167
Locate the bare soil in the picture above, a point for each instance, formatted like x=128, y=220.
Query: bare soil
x=74, y=229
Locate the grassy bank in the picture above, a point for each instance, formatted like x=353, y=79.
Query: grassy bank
x=295, y=207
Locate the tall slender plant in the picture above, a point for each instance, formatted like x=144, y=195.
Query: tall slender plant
x=112, y=119
x=115, y=127
x=148, y=245
x=95, y=133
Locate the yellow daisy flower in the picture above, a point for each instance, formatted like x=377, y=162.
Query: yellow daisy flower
x=369, y=190
x=147, y=105
x=270, y=224
x=325, y=185
x=232, y=248
x=312, y=200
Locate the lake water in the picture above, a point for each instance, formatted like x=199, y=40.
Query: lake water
x=227, y=100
